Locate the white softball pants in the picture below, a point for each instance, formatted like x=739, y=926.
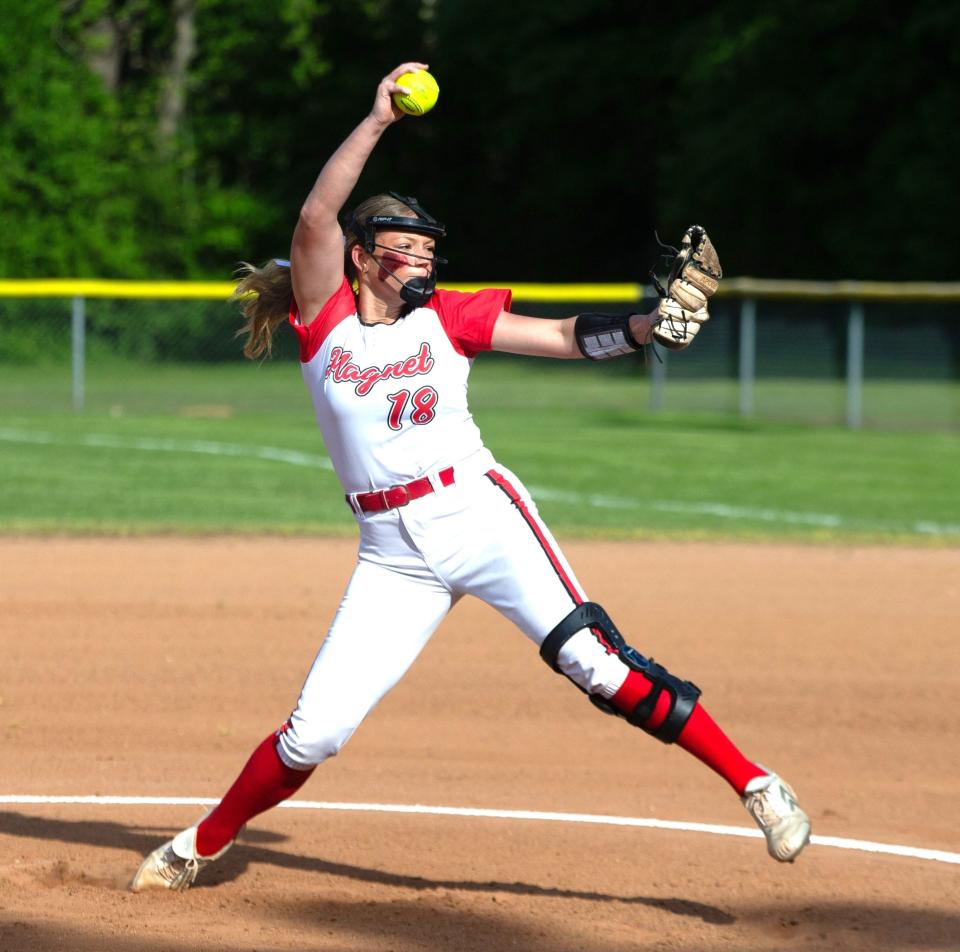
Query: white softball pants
x=481, y=536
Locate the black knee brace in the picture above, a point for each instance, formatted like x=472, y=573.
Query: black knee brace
x=683, y=694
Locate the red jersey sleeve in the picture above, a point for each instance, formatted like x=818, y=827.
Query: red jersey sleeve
x=341, y=304
x=468, y=319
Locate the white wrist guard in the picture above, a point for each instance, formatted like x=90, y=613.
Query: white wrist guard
x=601, y=336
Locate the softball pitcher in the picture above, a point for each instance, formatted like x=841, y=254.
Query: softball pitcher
x=386, y=357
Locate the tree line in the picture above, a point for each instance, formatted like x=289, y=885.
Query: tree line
x=142, y=139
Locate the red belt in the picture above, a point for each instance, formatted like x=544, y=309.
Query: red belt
x=396, y=496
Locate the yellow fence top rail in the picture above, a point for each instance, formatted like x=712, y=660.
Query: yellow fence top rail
x=220, y=290
x=625, y=293
x=842, y=290
x=94, y=287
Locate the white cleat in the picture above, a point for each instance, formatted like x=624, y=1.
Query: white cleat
x=773, y=804
x=174, y=865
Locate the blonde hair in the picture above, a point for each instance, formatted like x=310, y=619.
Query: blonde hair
x=265, y=294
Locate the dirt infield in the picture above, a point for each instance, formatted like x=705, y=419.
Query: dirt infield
x=151, y=668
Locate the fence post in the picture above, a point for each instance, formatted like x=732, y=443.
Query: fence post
x=748, y=353
x=855, y=365
x=78, y=347
x=658, y=376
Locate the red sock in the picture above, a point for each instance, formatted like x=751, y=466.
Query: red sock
x=700, y=736
x=263, y=783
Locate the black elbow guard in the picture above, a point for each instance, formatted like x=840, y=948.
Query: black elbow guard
x=601, y=336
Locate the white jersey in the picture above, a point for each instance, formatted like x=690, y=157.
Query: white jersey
x=391, y=399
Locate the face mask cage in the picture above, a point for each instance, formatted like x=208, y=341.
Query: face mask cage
x=416, y=291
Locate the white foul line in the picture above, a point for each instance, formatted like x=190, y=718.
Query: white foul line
x=837, y=842
x=165, y=445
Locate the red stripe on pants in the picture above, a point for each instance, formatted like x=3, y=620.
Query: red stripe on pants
x=514, y=497
x=511, y=493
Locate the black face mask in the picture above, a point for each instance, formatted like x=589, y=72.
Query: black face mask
x=417, y=291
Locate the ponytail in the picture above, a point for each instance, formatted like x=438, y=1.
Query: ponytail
x=265, y=295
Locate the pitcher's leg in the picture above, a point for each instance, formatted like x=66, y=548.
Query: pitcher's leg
x=539, y=592
x=264, y=782
x=383, y=623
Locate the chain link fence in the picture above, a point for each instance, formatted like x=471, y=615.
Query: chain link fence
x=874, y=363
x=860, y=355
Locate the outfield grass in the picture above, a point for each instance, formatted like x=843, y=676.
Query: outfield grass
x=234, y=448
x=886, y=404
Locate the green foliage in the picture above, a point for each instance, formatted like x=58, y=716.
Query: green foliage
x=822, y=146
x=28, y=336
x=814, y=139
x=557, y=107
x=180, y=331
x=38, y=331
x=64, y=205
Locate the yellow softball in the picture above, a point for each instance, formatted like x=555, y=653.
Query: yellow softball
x=422, y=96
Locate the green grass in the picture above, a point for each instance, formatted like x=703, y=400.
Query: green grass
x=200, y=450
x=888, y=404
